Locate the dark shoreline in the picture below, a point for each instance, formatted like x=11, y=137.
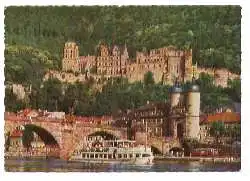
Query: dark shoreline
x=157, y=158
x=200, y=159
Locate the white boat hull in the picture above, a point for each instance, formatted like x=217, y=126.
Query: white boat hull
x=135, y=161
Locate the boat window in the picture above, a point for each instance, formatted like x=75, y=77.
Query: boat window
x=109, y=156
x=87, y=155
x=137, y=155
x=101, y=155
x=96, y=155
x=125, y=155
x=83, y=155
x=91, y=155
x=119, y=155
x=145, y=155
x=105, y=155
x=131, y=155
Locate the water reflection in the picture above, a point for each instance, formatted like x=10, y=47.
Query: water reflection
x=159, y=166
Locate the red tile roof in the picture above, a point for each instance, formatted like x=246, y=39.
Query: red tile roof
x=17, y=133
x=226, y=117
x=26, y=111
x=92, y=118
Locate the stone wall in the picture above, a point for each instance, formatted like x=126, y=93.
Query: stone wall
x=64, y=76
x=161, y=143
x=221, y=76
x=19, y=91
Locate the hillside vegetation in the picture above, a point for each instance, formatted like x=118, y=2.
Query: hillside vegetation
x=35, y=37
x=213, y=32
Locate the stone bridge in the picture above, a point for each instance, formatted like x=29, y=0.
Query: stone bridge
x=163, y=145
x=71, y=135
x=68, y=136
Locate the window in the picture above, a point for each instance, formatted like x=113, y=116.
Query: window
x=119, y=155
x=137, y=155
x=131, y=155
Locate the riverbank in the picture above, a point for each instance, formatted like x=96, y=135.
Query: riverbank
x=58, y=165
x=200, y=159
x=156, y=158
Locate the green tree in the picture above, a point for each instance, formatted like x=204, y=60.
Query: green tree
x=11, y=102
x=234, y=132
x=234, y=90
x=217, y=130
x=189, y=145
x=148, y=78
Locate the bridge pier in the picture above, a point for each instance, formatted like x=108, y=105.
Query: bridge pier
x=158, y=142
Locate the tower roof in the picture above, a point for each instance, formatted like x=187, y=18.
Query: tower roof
x=176, y=89
x=193, y=88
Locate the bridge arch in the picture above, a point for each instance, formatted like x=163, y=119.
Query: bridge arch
x=105, y=134
x=156, y=150
x=46, y=136
x=109, y=132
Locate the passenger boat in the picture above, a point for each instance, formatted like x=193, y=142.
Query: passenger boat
x=108, y=151
x=97, y=149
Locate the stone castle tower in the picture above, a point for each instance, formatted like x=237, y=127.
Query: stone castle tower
x=70, y=61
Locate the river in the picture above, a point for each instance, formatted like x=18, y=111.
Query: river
x=56, y=165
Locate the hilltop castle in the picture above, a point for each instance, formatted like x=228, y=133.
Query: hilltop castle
x=165, y=63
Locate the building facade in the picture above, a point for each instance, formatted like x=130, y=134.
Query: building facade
x=230, y=120
x=178, y=118
x=165, y=63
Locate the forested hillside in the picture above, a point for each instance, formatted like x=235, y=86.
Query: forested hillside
x=213, y=32
x=35, y=36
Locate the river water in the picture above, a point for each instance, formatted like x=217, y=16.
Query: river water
x=57, y=165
